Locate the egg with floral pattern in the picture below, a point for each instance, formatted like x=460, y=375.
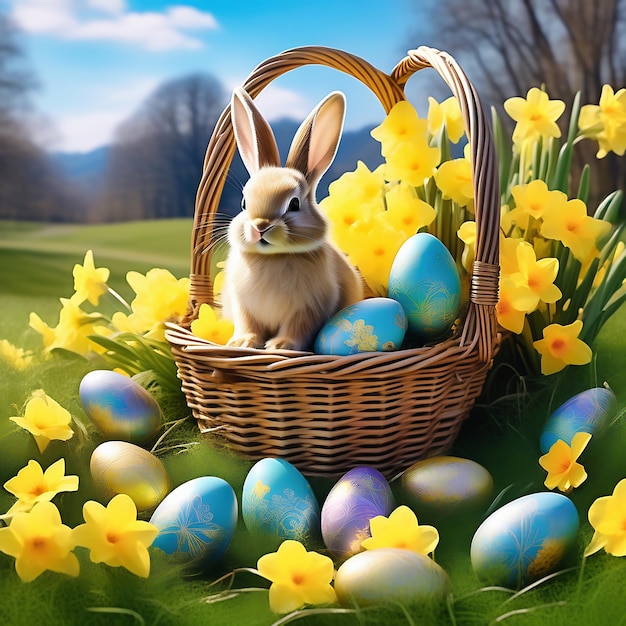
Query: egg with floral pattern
x=196, y=521
x=424, y=279
x=525, y=539
x=388, y=576
x=122, y=467
x=119, y=407
x=359, y=495
x=588, y=411
x=371, y=325
x=278, y=500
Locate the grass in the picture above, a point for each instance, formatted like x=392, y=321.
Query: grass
x=502, y=434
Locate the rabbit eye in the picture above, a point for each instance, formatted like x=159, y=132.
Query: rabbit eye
x=243, y=204
x=294, y=204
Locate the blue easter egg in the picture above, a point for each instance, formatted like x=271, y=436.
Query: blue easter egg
x=359, y=495
x=588, y=411
x=424, y=279
x=371, y=325
x=525, y=539
x=119, y=407
x=196, y=521
x=278, y=500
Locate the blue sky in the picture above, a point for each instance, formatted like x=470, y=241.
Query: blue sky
x=97, y=60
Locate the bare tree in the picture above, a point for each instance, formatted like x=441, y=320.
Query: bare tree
x=509, y=46
x=156, y=161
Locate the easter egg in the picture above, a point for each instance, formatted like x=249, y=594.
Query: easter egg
x=525, y=539
x=278, y=500
x=588, y=411
x=390, y=575
x=424, y=279
x=196, y=521
x=371, y=325
x=446, y=485
x=119, y=407
x=359, y=495
x=122, y=467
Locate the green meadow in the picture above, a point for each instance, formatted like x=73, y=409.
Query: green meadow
x=36, y=262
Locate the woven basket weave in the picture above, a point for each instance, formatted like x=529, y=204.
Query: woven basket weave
x=327, y=414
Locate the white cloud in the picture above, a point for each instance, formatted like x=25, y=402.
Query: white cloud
x=112, y=21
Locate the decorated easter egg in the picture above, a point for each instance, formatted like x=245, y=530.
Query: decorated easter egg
x=588, y=411
x=119, y=407
x=122, y=467
x=525, y=539
x=390, y=575
x=424, y=279
x=278, y=500
x=196, y=521
x=359, y=495
x=446, y=485
x=371, y=325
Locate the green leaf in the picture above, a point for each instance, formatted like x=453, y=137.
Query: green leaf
x=583, y=184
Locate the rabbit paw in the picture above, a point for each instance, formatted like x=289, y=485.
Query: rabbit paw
x=249, y=340
x=281, y=343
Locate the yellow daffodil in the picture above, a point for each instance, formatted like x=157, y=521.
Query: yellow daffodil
x=360, y=187
x=16, y=357
x=534, y=280
x=606, y=121
x=508, y=315
x=607, y=515
x=412, y=163
x=467, y=234
x=508, y=254
x=560, y=463
x=209, y=326
x=454, y=179
x=73, y=330
x=534, y=198
x=114, y=535
x=89, y=282
x=536, y=115
x=39, y=541
x=298, y=577
x=401, y=530
x=160, y=297
x=448, y=114
x=570, y=224
x=405, y=211
x=561, y=346
x=401, y=127
x=375, y=249
x=45, y=419
x=32, y=484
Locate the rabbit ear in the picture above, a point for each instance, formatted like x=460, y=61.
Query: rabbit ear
x=315, y=144
x=255, y=139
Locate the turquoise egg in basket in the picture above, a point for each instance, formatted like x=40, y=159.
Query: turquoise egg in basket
x=443, y=486
x=525, y=539
x=359, y=495
x=196, y=521
x=371, y=325
x=588, y=411
x=278, y=500
x=122, y=467
x=424, y=279
x=119, y=407
x=390, y=575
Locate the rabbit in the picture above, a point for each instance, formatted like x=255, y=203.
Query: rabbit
x=283, y=277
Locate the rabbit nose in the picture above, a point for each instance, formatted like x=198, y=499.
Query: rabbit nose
x=261, y=224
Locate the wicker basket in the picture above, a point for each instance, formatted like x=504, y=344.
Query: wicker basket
x=327, y=414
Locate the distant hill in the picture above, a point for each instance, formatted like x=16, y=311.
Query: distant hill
x=83, y=168
x=86, y=170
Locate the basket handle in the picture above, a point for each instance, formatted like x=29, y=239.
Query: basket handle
x=480, y=324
